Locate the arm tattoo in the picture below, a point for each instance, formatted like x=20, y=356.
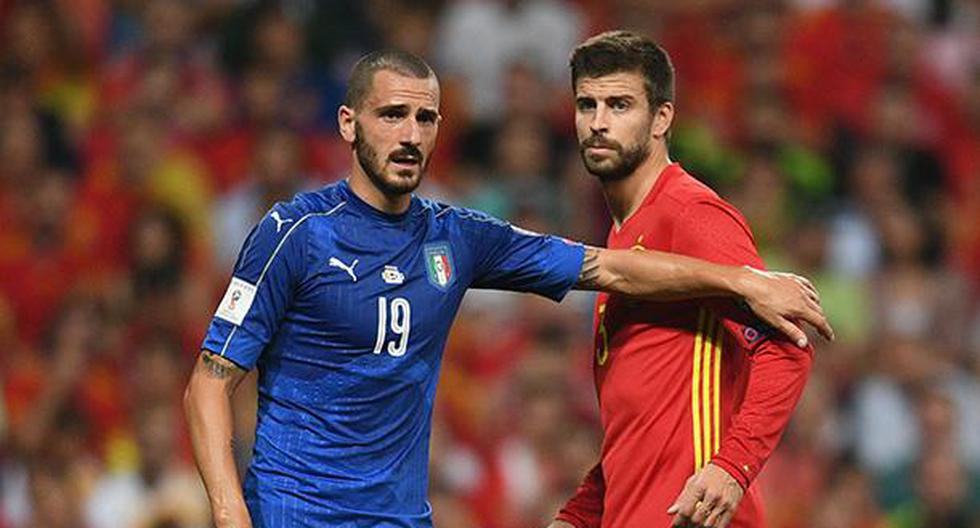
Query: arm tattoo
x=215, y=368
x=588, y=277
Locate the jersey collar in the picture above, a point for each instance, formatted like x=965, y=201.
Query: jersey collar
x=369, y=211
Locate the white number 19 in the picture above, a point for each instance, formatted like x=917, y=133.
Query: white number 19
x=401, y=324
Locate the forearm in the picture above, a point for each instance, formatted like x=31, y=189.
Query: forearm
x=779, y=372
x=207, y=403
x=659, y=276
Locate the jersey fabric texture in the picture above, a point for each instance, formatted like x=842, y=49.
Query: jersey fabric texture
x=683, y=383
x=345, y=311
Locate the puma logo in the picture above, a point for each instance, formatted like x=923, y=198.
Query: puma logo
x=280, y=221
x=335, y=262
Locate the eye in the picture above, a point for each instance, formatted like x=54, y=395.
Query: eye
x=392, y=116
x=620, y=105
x=585, y=104
x=427, y=118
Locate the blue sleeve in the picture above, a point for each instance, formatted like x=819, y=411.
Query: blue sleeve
x=270, y=266
x=511, y=258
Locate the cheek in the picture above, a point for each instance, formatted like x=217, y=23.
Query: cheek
x=377, y=133
x=636, y=129
x=429, y=138
x=380, y=145
x=582, y=126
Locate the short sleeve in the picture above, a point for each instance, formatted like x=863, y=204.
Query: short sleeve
x=715, y=231
x=270, y=266
x=511, y=258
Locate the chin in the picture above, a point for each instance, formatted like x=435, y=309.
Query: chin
x=606, y=171
x=403, y=181
x=601, y=168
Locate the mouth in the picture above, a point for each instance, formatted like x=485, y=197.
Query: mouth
x=405, y=160
x=600, y=149
x=597, y=153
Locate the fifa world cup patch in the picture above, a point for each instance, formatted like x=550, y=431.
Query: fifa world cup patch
x=439, y=265
x=238, y=299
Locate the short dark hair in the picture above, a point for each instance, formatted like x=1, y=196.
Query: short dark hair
x=625, y=51
x=362, y=76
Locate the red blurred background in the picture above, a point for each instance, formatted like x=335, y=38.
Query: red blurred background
x=140, y=140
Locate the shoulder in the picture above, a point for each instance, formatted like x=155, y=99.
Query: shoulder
x=453, y=215
x=692, y=200
x=323, y=202
x=307, y=207
x=289, y=221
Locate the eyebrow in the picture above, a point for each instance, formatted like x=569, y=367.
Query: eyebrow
x=429, y=113
x=614, y=97
x=391, y=108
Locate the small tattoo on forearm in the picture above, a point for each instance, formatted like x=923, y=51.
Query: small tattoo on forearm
x=588, y=277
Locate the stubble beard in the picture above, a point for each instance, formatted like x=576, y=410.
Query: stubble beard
x=371, y=164
x=625, y=163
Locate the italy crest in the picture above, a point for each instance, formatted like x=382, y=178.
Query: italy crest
x=439, y=265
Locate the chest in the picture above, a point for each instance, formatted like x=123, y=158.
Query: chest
x=651, y=228
x=382, y=289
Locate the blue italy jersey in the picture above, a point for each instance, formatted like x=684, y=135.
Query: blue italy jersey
x=345, y=311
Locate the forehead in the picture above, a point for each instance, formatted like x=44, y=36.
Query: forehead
x=392, y=88
x=614, y=84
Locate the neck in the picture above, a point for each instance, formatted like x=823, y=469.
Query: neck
x=624, y=196
x=362, y=186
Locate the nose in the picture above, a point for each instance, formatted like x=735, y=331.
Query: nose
x=600, y=121
x=411, y=133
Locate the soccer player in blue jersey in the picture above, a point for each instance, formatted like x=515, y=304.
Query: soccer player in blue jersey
x=343, y=298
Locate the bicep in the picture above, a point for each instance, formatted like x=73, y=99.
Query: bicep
x=510, y=258
x=270, y=267
x=716, y=232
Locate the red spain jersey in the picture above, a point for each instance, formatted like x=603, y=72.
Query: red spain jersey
x=683, y=383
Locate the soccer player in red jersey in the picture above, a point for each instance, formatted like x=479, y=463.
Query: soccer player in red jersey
x=693, y=396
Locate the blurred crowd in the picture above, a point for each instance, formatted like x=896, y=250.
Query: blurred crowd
x=141, y=139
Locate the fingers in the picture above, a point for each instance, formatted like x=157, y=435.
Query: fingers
x=815, y=317
x=717, y=514
x=791, y=330
x=686, y=504
x=705, y=508
x=725, y=519
x=808, y=286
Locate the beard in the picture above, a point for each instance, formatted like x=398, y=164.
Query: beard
x=619, y=166
x=403, y=182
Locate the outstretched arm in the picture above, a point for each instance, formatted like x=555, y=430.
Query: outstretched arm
x=781, y=300
x=207, y=403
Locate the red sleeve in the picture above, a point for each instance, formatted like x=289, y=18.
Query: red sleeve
x=715, y=231
x=778, y=375
x=584, y=509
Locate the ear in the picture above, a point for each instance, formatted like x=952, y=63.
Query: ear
x=662, y=119
x=345, y=122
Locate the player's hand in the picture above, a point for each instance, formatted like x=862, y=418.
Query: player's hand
x=560, y=524
x=783, y=300
x=709, y=499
